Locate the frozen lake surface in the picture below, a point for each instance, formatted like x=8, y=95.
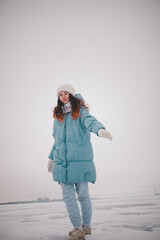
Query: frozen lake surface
x=114, y=218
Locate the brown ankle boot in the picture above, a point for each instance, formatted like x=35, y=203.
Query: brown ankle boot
x=87, y=231
x=76, y=234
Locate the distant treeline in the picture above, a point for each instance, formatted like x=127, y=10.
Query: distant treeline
x=32, y=201
x=36, y=201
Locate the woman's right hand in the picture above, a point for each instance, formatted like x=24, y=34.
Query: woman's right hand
x=104, y=134
x=50, y=164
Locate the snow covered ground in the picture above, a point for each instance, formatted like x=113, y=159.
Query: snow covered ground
x=127, y=217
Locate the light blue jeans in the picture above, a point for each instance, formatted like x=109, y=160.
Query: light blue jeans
x=69, y=191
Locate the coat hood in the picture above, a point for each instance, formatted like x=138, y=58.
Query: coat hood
x=78, y=95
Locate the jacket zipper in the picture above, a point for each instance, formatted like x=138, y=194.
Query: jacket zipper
x=66, y=146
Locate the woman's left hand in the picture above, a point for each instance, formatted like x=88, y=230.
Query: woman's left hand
x=104, y=134
x=49, y=165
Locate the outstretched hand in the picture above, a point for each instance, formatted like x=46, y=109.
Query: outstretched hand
x=49, y=165
x=104, y=134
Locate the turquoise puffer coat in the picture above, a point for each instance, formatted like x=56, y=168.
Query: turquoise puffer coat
x=72, y=150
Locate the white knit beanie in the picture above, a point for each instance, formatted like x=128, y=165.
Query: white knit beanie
x=66, y=87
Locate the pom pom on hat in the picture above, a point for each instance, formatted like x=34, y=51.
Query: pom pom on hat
x=66, y=87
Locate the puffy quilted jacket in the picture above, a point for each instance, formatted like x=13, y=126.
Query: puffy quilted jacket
x=72, y=149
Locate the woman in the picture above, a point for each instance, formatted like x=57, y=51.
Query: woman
x=71, y=157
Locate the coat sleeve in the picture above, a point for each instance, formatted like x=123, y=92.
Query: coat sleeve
x=52, y=151
x=90, y=122
x=54, y=145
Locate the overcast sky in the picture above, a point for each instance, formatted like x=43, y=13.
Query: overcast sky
x=109, y=51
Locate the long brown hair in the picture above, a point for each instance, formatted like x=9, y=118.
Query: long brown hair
x=76, y=104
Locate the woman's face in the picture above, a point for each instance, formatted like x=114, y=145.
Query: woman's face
x=64, y=96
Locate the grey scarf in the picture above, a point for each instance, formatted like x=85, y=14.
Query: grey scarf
x=67, y=107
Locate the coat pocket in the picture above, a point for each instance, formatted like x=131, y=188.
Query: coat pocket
x=88, y=176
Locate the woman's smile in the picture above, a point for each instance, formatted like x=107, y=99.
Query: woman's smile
x=64, y=96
